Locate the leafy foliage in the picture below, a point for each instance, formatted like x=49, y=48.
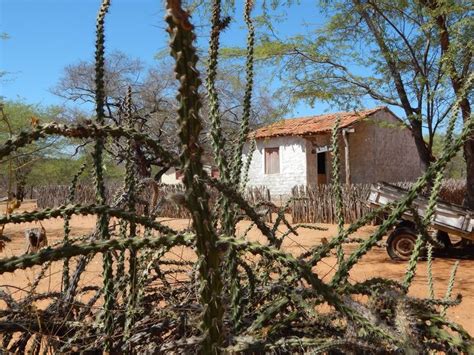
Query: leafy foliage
x=456, y=168
x=51, y=160
x=15, y=170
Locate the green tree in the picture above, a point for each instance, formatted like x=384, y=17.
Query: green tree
x=47, y=161
x=376, y=49
x=14, y=117
x=411, y=55
x=456, y=168
x=453, y=22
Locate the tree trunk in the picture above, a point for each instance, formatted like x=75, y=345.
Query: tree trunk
x=457, y=82
x=143, y=165
x=413, y=114
x=469, y=157
x=423, y=151
x=468, y=151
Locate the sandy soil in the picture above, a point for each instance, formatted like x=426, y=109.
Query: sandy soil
x=375, y=264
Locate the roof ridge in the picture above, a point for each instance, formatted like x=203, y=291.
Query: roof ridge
x=374, y=109
x=313, y=124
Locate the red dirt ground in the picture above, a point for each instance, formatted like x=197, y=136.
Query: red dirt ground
x=375, y=264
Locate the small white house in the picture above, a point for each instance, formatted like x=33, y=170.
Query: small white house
x=174, y=176
x=375, y=145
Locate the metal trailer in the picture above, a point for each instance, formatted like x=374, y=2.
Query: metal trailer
x=448, y=220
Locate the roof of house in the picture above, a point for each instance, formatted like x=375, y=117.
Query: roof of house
x=313, y=124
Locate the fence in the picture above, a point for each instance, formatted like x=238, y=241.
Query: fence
x=50, y=196
x=313, y=204
x=453, y=191
x=316, y=204
x=162, y=196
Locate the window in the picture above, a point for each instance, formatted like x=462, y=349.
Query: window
x=322, y=163
x=272, y=160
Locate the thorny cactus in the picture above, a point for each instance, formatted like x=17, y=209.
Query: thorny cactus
x=234, y=295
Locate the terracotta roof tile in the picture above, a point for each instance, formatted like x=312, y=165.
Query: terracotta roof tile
x=312, y=124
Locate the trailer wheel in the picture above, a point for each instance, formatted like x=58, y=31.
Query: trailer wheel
x=400, y=243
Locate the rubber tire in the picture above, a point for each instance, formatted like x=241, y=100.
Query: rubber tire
x=394, y=238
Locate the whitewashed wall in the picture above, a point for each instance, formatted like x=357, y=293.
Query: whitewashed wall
x=169, y=178
x=292, y=165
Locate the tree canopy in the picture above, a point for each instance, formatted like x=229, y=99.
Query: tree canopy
x=46, y=161
x=379, y=51
x=413, y=56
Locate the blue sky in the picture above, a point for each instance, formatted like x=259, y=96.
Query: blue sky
x=47, y=35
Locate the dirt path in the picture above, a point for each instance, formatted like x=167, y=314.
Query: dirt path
x=375, y=264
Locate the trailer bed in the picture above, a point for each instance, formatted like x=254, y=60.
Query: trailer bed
x=450, y=218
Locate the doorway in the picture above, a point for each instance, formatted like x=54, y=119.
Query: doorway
x=321, y=165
